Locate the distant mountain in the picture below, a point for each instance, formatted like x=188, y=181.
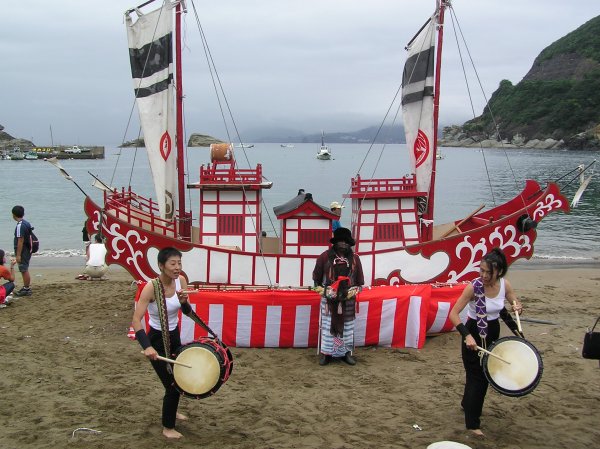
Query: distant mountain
x=387, y=134
x=9, y=142
x=559, y=98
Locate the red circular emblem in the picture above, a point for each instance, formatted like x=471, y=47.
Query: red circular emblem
x=421, y=148
x=165, y=145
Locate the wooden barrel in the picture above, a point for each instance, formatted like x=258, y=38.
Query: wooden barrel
x=221, y=151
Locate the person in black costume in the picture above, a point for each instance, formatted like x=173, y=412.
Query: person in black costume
x=338, y=276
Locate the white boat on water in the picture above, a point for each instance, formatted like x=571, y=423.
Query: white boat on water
x=17, y=155
x=245, y=145
x=439, y=155
x=286, y=145
x=324, y=152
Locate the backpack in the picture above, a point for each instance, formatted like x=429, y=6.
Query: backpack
x=34, y=242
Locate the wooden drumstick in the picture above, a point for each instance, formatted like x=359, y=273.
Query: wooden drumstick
x=492, y=354
x=174, y=362
x=518, y=319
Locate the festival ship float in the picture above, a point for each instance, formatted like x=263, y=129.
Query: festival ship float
x=254, y=291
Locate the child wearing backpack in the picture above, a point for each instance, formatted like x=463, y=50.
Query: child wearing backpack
x=23, y=248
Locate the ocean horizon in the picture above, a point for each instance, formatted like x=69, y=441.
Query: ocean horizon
x=54, y=205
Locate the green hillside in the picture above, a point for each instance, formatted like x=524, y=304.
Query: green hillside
x=558, y=98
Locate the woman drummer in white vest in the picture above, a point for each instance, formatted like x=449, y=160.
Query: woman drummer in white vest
x=484, y=299
x=171, y=285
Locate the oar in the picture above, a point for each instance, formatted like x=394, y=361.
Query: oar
x=174, y=362
x=517, y=315
x=492, y=354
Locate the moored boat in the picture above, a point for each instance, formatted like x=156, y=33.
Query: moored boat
x=324, y=152
x=16, y=154
x=391, y=218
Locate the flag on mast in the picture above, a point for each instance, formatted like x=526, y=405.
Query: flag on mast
x=151, y=56
x=417, y=104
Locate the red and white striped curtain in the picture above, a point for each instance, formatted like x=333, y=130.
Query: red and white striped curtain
x=398, y=317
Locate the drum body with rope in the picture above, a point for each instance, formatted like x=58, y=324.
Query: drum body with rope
x=211, y=363
x=524, y=372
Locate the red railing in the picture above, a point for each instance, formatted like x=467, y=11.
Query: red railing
x=138, y=211
x=213, y=174
x=406, y=184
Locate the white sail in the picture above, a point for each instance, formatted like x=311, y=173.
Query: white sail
x=417, y=104
x=150, y=52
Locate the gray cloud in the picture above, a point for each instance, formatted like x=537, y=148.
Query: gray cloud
x=299, y=64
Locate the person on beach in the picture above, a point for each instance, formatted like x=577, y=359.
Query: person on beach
x=95, y=265
x=338, y=276
x=22, y=244
x=86, y=247
x=484, y=298
x=336, y=208
x=8, y=274
x=168, y=292
x=85, y=237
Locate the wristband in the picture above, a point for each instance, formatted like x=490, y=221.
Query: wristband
x=186, y=308
x=143, y=339
x=463, y=330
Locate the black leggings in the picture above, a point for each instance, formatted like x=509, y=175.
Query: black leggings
x=476, y=383
x=171, y=398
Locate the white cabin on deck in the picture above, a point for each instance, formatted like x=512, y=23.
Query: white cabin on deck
x=230, y=202
x=384, y=213
x=305, y=226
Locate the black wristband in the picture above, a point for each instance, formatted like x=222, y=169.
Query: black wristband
x=186, y=308
x=143, y=339
x=463, y=330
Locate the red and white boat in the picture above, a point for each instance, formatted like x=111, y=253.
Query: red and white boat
x=391, y=220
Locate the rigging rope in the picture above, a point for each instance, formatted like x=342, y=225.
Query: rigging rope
x=487, y=105
x=220, y=92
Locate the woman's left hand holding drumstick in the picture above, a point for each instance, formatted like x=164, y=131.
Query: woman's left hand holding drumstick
x=182, y=295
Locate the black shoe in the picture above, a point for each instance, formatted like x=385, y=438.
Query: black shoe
x=349, y=359
x=324, y=360
x=23, y=292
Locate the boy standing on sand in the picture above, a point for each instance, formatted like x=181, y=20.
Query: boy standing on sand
x=22, y=248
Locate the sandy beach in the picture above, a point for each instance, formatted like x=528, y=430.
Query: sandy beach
x=68, y=364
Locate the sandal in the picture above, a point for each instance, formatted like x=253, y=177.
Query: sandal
x=82, y=277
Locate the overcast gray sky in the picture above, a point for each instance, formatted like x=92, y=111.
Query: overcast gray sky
x=300, y=64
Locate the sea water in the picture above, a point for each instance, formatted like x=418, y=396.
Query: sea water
x=54, y=205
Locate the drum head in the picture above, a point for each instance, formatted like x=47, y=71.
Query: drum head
x=204, y=372
x=448, y=445
x=524, y=371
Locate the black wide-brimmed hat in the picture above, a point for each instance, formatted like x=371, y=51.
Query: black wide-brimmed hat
x=342, y=235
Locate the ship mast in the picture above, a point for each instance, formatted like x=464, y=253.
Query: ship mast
x=184, y=224
x=428, y=215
